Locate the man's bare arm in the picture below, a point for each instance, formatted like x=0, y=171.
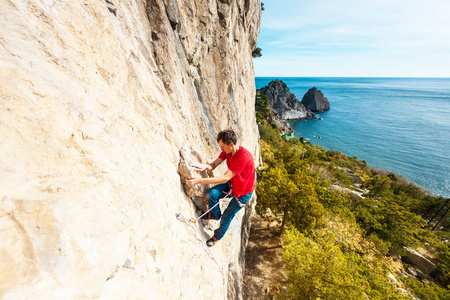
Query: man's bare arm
x=215, y=163
x=214, y=180
x=201, y=167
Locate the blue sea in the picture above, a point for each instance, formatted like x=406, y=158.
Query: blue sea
x=398, y=124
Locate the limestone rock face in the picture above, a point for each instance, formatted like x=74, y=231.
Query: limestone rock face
x=97, y=99
x=284, y=102
x=314, y=100
x=196, y=193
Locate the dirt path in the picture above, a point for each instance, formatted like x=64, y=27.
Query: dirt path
x=264, y=269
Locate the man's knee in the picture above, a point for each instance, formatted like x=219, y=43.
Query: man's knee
x=212, y=193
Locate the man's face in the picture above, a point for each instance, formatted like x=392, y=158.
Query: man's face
x=227, y=148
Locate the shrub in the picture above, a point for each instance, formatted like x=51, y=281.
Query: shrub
x=269, y=135
x=262, y=107
x=428, y=291
x=257, y=52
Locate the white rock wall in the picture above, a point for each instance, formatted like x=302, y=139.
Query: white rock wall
x=96, y=101
x=293, y=115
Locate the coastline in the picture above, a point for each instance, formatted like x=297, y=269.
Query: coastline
x=398, y=124
x=292, y=134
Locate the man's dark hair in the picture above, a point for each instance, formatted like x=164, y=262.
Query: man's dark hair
x=227, y=136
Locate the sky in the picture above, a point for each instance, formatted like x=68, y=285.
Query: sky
x=351, y=38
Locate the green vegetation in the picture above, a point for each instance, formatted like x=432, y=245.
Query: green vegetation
x=336, y=247
x=319, y=269
x=262, y=108
x=427, y=291
x=290, y=196
x=256, y=52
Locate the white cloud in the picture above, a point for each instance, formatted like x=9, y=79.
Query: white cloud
x=407, y=38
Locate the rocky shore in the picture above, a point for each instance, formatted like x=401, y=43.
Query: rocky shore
x=285, y=106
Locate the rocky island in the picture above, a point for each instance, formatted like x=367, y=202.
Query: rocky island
x=314, y=100
x=285, y=105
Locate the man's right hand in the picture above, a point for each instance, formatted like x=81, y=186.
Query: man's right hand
x=198, y=166
x=193, y=181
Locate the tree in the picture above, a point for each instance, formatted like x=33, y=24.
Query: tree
x=291, y=197
x=319, y=269
x=307, y=213
x=315, y=153
x=335, y=201
x=277, y=193
x=257, y=52
x=429, y=291
x=291, y=157
x=379, y=186
x=262, y=108
x=389, y=221
x=270, y=135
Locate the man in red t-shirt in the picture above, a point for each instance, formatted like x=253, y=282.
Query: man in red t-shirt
x=240, y=177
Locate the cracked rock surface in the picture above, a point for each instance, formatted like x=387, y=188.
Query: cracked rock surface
x=97, y=98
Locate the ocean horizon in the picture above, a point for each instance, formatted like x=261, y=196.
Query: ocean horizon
x=401, y=124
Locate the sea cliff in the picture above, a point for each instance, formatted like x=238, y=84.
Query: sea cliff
x=97, y=98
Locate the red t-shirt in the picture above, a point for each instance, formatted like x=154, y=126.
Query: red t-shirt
x=241, y=164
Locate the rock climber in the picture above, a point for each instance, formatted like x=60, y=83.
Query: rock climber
x=240, y=177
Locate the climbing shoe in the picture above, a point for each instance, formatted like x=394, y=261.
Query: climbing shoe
x=212, y=241
x=208, y=216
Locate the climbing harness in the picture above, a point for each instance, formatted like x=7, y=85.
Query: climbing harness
x=195, y=221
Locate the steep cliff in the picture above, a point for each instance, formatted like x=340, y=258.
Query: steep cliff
x=315, y=100
x=97, y=99
x=284, y=102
